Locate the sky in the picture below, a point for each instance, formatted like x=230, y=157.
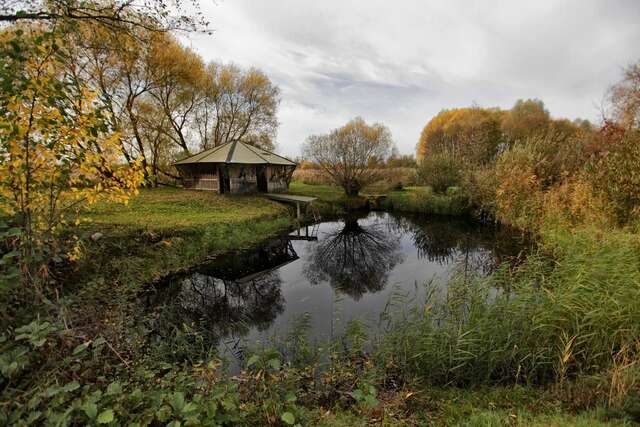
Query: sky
x=401, y=62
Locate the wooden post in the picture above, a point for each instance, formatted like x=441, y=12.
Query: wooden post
x=298, y=209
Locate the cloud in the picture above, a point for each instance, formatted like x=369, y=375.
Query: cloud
x=400, y=63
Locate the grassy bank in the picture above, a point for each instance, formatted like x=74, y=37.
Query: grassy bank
x=162, y=230
x=410, y=199
x=424, y=200
x=121, y=249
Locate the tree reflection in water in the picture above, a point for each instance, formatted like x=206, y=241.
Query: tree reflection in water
x=466, y=246
x=225, y=299
x=355, y=259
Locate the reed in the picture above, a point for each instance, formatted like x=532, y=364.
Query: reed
x=546, y=321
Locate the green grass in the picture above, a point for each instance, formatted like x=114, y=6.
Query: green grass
x=325, y=193
x=170, y=208
x=163, y=230
x=482, y=407
x=160, y=231
x=424, y=200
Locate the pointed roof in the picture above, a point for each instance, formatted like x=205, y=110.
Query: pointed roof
x=237, y=152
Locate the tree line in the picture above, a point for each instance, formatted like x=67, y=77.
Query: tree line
x=521, y=165
x=166, y=101
x=93, y=108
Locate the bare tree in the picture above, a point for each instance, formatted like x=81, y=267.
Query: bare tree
x=344, y=153
x=238, y=106
x=155, y=15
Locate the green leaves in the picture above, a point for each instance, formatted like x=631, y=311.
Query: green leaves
x=13, y=361
x=366, y=395
x=90, y=409
x=35, y=333
x=274, y=364
x=288, y=418
x=270, y=360
x=105, y=417
x=253, y=360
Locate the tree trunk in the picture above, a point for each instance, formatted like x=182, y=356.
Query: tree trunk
x=352, y=189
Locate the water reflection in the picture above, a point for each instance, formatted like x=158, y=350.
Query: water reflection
x=354, y=259
x=253, y=294
x=227, y=297
x=459, y=244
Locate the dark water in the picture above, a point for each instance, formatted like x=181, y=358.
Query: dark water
x=348, y=269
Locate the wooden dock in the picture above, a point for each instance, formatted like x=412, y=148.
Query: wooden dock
x=291, y=198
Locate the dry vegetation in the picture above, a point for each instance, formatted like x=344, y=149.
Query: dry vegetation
x=390, y=178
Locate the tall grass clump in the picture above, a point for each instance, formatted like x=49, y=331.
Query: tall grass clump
x=424, y=200
x=548, y=320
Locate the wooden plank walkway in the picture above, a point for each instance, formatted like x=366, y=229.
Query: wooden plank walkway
x=291, y=198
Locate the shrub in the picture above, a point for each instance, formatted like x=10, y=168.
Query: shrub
x=440, y=171
x=615, y=175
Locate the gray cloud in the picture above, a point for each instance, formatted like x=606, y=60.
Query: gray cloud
x=401, y=62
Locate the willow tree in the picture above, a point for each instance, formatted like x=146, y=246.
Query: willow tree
x=625, y=97
x=345, y=153
x=471, y=133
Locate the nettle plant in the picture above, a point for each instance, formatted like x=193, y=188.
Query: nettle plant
x=82, y=392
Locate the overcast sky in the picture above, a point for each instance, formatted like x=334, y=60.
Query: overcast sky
x=400, y=62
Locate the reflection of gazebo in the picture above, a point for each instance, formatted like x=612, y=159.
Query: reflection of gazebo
x=228, y=296
x=248, y=265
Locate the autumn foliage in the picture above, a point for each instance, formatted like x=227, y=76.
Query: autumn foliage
x=524, y=167
x=57, y=151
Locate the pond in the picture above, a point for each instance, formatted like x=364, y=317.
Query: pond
x=328, y=274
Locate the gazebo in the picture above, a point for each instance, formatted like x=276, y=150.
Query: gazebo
x=236, y=167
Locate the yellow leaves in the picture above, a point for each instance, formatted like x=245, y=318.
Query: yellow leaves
x=76, y=252
x=54, y=160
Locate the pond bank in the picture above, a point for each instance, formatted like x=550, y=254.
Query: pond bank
x=332, y=202
x=488, y=349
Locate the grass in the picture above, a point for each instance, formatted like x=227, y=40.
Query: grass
x=324, y=192
x=424, y=200
x=413, y=199
x=170, y=208
x=161, y=231
x=481, y=407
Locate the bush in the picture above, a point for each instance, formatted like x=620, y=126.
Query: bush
x=615, y=175
x=440, y=171
x=454, y=203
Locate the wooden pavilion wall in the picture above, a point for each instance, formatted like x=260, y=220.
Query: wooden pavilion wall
x=278, y=178
x=200, y=176
x=242, y=178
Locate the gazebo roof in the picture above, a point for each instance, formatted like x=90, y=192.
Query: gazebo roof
x=237, y=152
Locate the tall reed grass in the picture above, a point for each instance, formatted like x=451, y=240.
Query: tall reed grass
x=553, y=318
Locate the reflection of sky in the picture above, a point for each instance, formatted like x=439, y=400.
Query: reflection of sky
x=442, y=252
x=326, y=305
